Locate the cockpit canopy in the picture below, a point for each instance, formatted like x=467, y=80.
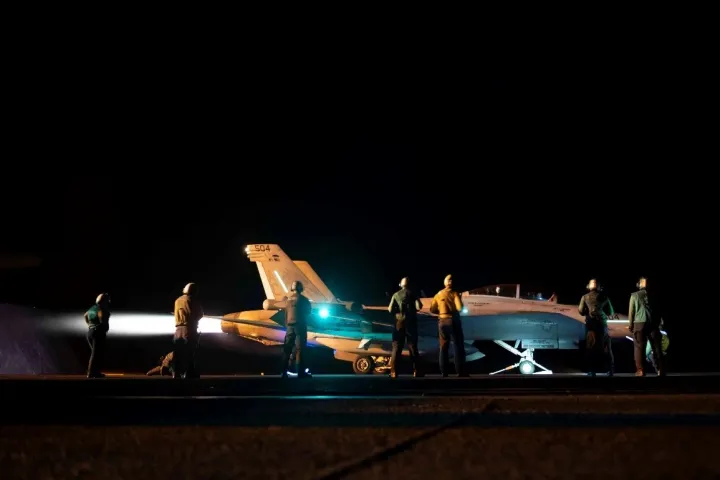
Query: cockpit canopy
x=510, y=290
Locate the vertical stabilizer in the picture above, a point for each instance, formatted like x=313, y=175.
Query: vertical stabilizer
x=278, y=272
x=306, y=269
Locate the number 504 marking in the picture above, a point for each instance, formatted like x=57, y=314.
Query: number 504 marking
x=262, y=248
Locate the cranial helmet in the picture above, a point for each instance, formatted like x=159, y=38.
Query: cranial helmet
x=592, y=284
x=448, y=281
x=189, y=289
x=404, y=282
x=297, y=286
x=103, y=297
x=642, y=282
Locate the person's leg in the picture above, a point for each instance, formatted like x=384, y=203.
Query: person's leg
x=444, y=336
x=398, y=344
x=640, y=340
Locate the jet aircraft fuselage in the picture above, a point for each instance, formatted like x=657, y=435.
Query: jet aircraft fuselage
x=496, y=313
x=350, y=336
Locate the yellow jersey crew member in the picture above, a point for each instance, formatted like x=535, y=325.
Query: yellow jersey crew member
x=447, y=305
x=188, y=312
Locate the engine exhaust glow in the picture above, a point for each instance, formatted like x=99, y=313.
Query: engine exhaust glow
x=135, y=324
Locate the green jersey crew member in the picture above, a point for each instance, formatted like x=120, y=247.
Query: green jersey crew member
x=645, y=323
x=404, y=306
x=595, y=306
x=97, y=319
x=297, y=312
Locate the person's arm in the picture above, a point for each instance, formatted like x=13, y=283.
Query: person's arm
x=308, y=309
x=391, y=307
x=418, y=304
x=87, y=319
x=181, y=312
x=582, y=308
x=610, y=307
x=458, y=303
x=434, y=305
x=631, y=312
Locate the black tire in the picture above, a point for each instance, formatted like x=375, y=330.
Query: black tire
x=364, y=365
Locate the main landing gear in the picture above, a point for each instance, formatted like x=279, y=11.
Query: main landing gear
x=526, y=365
x=365, y=365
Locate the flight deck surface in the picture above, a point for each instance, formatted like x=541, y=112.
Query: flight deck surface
x=357, y=427
x=18, y=387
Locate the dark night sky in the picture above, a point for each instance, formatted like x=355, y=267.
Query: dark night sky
x=540, y=175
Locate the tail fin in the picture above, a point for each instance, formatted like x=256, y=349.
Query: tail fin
x=278, y=272
x=553, y=298
x=308, y=271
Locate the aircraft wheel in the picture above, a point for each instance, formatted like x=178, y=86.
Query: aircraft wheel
x=363, y=365
x=526, y=368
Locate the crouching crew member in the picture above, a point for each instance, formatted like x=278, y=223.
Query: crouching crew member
x=164, y=366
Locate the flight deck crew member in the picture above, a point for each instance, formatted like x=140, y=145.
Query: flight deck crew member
x=447, y=304
x=188, y=312
x=650, y=356
x=404, y=306
x=593, y=306
x=164, y=366
x=297, y=312
x=97, y=319
x=645, y=323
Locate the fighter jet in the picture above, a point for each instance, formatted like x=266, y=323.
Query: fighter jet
x=501, y=313
x=497, y=313
x=335, y=324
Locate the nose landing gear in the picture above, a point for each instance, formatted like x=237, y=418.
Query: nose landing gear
x=526, y=365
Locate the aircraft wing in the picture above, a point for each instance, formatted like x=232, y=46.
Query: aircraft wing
x=373, y=307
x=268, y=342
x=240, y=321
x=376, y=308
x=255, y=338
x=363, y=339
